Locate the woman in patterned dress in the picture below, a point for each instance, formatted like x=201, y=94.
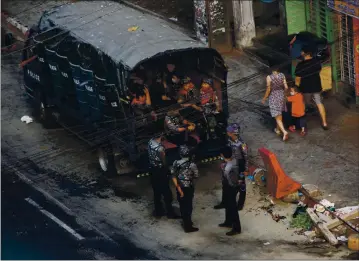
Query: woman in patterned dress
x=276, y=84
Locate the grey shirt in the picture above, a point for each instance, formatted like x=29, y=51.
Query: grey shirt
x=239, y=150
x=230, y=173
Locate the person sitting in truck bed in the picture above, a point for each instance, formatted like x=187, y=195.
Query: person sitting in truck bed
x=141, y=103
x=208, y=98
x=159, y=97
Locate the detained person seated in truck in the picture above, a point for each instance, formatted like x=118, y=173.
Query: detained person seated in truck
x=208, y=103
x=171, y=80
x=141, y=103
x=158, y=94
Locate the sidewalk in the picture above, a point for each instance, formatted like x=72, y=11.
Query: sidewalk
x=328, y=159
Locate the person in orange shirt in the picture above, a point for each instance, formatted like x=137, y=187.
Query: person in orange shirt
x=298, y=111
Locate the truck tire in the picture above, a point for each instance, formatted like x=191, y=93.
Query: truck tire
x=106, y=159
x=111, y=164
x=42, y=112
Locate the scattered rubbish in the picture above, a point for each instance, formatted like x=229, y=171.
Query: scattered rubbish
x=275, y=217
x=301, y=208
x=329, y=195
x=327, y=203
x=26, y=119
x=133, y=28
x=322, y=227
x=342, y=238
x=302, y=221
x=292, y=198
x=353, y=242
x=343, y=211
x=266, y=243
x=312, y=190
x=173, y=19
x=319, y=208
x=259, y=176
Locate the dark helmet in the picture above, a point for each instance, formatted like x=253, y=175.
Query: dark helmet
x=184, y=151
x=208, y=81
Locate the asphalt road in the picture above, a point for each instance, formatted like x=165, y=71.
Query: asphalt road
x=33, y=228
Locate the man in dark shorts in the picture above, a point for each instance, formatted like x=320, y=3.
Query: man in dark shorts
x=307, y=77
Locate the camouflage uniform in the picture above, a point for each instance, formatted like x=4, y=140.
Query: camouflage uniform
x=159, y=179
x=185, y=170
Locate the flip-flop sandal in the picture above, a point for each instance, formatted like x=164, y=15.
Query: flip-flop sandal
x=325, y=127
x=277, y=131
x=291, y=129
x=285, y=137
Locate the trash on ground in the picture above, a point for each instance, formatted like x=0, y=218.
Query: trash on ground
x=259, y=176
x=301, y=221
x=327, y=203
x=301, y=208
x=342, y=238
x=322, y=227
x=266, y=243
x=275, y=217
x=353, y=242
x=346, y=210
x=292, y=198
x=133, y=28
x=173, y=19
x=26, y=119
x=319, y=208
x=313, y=190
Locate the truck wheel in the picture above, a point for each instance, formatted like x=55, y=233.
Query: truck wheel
x=112, y=164
x=106, y=159
x=43, y=112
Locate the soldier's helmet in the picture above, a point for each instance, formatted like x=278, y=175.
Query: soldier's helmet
x=184, y=151
x=233, y=128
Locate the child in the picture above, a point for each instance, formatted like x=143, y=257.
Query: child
x=298, y=110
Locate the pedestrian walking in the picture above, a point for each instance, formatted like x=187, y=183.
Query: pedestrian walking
x=184, y=172
x=307, y=77
x=298, y=111
x=276, y=84
x=232, y=182
x=240, y=154
x=159, y=178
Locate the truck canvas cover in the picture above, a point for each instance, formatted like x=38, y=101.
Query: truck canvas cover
x=106, y=26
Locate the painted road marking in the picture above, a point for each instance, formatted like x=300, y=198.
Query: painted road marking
x=55, y=219
x=49, y=197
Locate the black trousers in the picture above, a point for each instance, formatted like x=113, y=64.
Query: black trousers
x=232, y=216
x=241, y=191
x=161, y=188
x=186, y=205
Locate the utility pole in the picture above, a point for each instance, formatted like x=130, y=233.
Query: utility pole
x=244, y=26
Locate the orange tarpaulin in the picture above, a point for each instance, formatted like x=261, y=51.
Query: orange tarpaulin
x=278, y=183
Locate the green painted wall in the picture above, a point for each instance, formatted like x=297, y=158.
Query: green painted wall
x=296, y=16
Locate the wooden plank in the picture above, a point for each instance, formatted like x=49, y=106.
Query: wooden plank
x=323, y=228
x=336, y=222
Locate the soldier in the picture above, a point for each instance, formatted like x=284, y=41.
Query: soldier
x=177, y=127
x=159, y=177
x=240, y=153
x=184, y=171
x=231, y=184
